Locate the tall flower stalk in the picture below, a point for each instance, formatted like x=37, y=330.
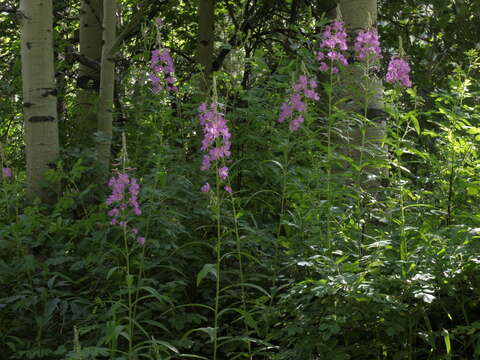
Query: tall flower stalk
x=124, y=205
x=161, y=65
x=398, y=74
x=216, y=146
x=367, y=53
x=332, y=56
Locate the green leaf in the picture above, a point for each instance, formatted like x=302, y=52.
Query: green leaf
x=112, y=270
x=207, y=269
x=472, y=190
x=446, y=338
x=415, y=122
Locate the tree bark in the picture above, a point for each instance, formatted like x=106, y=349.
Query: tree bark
x=91, y=14
x=107, y=84
x=366, y=100
x=39, y=94
x=206, y=18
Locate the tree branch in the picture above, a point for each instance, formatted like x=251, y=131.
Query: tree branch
x=85, y=60
x=8, y=9
x=132, y=27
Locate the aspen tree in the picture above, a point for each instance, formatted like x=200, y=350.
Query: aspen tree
x=366, y=99
x=107, y=83
x=88, y=83
x=39, y=94
x=206, y=23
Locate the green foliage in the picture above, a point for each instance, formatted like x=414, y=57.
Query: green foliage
x=318, y=253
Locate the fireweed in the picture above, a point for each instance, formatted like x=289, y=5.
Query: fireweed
x=398, y=72
x=124, y=197
x=333, y=47
x=297, y=103
x=123, y=203
x=216, y=140
x=216, y=146
x=367, y=46
x=161, y=63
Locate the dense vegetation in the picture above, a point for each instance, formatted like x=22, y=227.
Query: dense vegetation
x=228, y=227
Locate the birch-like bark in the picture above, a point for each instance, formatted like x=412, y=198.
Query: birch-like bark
x=366, y=98
x=39, y=95
x=88, y=82
x=206, y=18
x=107, y=84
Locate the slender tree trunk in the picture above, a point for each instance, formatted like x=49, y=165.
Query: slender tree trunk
x=107, y=84
x=39, y=94
x=91, y=14
x=206, y=18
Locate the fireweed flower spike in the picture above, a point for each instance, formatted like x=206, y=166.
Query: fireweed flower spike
x=124, y=196
x=333, y=47
x=216, y=137
x=398, y=71
x=161, y=63
x=305, y=87
x=216, y=140
x=367, y=45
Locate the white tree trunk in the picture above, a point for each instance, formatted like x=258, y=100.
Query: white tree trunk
x=107, y=83
x=39, y=93
x=91, y=15
x=366, y=101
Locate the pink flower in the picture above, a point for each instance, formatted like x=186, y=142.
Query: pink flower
x=205, y=188
x=285, y=112
x=141, y=240
x=223, y=172
x=367, y=45
x=295, y=124
x=303, y=89
x=228, y=189
x=333, y=46
x=124, y=196
x=161, y=62
x=323, y=66
x=398, y=71
x=216, y=135
x=6, y=172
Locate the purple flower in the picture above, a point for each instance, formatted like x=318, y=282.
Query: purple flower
x=205, y=188
x=141, y=240
x=216, y=135
x=367, y=45
x=303, y=89
x=6, y=172
x=285, y=112
x=223, y=172
x=161, y=63
x=398, y=71
x=333, y=46
x=124, y=196
x=295, y=124
x=228, y=189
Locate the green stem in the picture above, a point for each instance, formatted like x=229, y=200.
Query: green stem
x=240, y=264
x=329, y=159
x=129, y=288
x=218, y=255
